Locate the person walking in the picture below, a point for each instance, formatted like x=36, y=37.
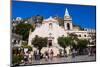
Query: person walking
x=46, y=55
x=73, y=53
x=51, y=54
x=34, y=54
x=26, y=57
x=30, y=58
x=37, y=55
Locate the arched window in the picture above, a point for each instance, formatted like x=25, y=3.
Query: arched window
x=68, y=26
x=84, y=35
x=50, y=25
x=79, y=35
x=50, y=43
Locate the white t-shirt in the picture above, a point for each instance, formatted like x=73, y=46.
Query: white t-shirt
x=30, y=55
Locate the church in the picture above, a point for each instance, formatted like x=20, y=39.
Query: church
x=51, y=29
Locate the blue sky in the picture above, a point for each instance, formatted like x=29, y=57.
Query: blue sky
x=85, y=16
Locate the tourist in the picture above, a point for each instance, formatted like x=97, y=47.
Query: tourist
x=46, y=55
x=41, y=56
x=30, y=57
x=60, y=53
x=65, y=53
x=26, y=57
x=51, y=54
x=35, y=54
x=89, y=52
x=73, y=53
x=94, y=52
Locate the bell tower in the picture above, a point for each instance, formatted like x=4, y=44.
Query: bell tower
x=67, y=21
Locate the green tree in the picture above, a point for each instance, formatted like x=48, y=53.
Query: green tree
x=16, y=59
x=64, y=41
x=73, y=40
x=73, y=36
x=82, y=44
x=39, y=42
x=25, y=45
x=61, y=42
x=23, y=29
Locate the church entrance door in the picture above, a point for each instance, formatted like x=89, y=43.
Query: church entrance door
x=50, y=43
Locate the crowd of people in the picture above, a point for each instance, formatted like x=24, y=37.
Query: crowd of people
x=30, y=56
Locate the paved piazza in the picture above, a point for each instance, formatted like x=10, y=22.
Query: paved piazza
x=64, y=60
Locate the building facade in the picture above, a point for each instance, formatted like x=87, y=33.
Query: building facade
x=51, y=29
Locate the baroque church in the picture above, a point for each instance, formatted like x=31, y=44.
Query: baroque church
x=51, y=29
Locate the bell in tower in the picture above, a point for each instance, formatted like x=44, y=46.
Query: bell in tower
x=67, y=21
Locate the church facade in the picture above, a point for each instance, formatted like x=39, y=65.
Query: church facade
x=51, y=29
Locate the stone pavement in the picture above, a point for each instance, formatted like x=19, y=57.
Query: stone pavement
x=64, y=60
